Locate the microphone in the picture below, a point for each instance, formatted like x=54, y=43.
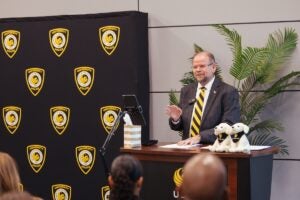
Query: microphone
x=192, y=101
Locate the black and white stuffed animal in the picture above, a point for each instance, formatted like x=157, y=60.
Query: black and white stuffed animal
x=239, y=139
x=223, y=141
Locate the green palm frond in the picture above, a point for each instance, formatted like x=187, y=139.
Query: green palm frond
x=173, y=100
x=252, y=103
x=280, y=47
x=188, y=78
x=270, y=140
x=266, y=126
x=218, y=73
x=250, y=58
x=233, y=40
x=197, y=48
x=284, y=82
x=254, y=107
x=249, y=83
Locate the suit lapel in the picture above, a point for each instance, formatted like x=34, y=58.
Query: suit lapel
x=192, y=95
x=211, y=98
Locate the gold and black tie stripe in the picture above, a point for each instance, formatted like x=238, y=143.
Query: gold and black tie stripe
x=196, y=120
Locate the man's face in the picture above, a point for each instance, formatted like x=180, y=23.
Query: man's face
x=203, y=68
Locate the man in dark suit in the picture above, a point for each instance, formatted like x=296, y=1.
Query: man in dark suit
x=220, y=103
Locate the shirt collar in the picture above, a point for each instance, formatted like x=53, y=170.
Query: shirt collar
x=208, y=85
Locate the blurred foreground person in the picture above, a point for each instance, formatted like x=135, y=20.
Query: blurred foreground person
x=18, y=196
x=204, y=178
x=126, y=178
x=9, y=175
x=10, y=183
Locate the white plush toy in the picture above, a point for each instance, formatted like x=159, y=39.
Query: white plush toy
x=240, y=141
x=223, y=141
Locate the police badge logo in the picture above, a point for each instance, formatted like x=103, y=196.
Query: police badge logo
x=61, y=192
x=108, y=115
x=105, y=191
x=84, y=79
x=10, y=42
x=109, y=38
x=12, y=118
x=35, y=79
x=85, y=156
x=36, y=155
x=58, y=39
x=59, y=116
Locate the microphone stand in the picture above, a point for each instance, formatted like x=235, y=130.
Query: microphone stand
x=140, y=109
x=107, y=140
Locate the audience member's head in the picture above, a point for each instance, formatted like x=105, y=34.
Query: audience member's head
x=204, y=178
x=9, y=175
x=13, y=195
x=126, y=178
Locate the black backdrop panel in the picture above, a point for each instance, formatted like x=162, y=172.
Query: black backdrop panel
x=124, y=71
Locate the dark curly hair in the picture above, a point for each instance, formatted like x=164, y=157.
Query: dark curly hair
x=125, y=172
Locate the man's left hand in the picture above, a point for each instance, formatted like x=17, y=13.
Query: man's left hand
x=190, y=141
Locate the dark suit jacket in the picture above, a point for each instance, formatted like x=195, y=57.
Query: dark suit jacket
x=222, y=106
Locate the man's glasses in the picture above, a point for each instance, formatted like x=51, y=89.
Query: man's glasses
x=202, y=66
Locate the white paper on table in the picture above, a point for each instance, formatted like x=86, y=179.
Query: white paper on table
x=176, y=146
x=256, y=148
x=252, y=147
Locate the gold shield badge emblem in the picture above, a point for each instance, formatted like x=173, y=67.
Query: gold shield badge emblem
x=84, y=79
x=12, y=118
x=35, y=79
x=109, y=38
x=59, y=116
x=108, y=115
x=36, y=155
x=61, y=192
x=58, y=39
x=85, y=156
x=105, y=191
x=10, y=42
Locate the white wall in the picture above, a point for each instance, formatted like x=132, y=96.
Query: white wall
x=30, y=8
x=174, y=26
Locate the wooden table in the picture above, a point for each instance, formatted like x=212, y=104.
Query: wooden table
x=249, y=175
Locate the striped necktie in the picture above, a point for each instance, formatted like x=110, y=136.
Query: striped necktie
x=197, y=116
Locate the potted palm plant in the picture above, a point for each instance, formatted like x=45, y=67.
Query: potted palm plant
x=255, y=71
